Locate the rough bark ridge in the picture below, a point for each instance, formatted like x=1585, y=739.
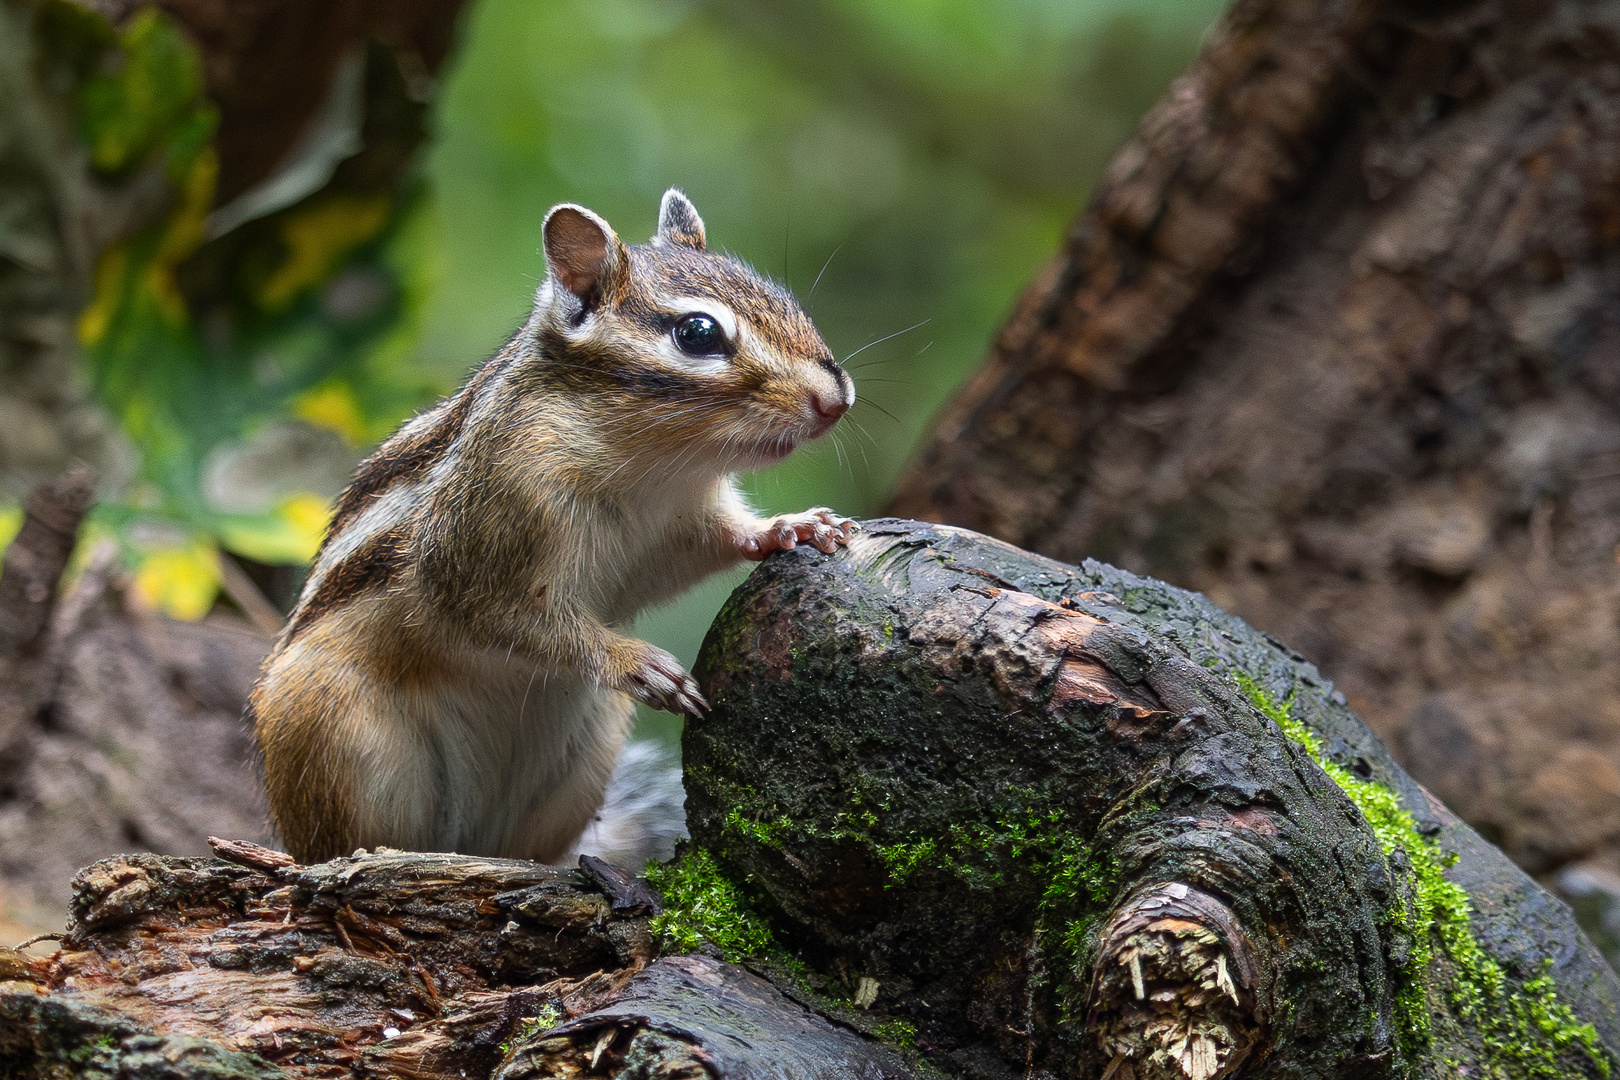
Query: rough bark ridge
x=1069, y=821
x=1336, y=344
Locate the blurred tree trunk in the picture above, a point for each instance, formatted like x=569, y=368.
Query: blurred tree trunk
x=1336, y=342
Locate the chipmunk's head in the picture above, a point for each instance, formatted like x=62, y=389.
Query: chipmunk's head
x=686, y=347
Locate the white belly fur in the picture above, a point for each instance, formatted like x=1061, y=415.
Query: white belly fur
x=508, y=760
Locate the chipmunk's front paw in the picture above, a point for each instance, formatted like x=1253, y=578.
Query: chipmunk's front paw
x=820, y=526
x=661, y=682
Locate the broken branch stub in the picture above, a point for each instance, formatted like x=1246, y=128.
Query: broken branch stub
x=1070, y=820
x=1172, y=988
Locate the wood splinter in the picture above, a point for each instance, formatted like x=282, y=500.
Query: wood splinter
x=1164, y=1002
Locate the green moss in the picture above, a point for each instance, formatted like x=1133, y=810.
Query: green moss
x=901, y=1033
x=702, y=904
x=1525, y=1034
x=1026, y=846
x=529, y=1026
x=1040, y=844
x=767, y=834
x=904, y=860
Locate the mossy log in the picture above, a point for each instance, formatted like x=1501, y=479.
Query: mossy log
x=1057, y=820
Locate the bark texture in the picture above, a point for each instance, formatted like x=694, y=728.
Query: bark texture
x=1335, y=342
x=1068, y=821
x=391, y=965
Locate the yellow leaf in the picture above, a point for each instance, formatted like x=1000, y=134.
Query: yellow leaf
x=182, y=234
x=309, y=515
x=182, y=582
x=333, y=405
x=95, y=320
x=291, y=534
x=11, y=519
x=317, y=238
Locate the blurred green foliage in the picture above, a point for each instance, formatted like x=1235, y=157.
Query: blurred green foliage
x=893, y=161
x=198, y=338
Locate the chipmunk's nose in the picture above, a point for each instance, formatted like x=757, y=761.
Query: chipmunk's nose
x=829, y=407
x=832, y=403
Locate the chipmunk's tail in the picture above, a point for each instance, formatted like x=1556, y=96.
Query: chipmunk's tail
x=643, y=811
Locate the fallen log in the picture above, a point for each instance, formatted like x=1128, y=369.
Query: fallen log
x=956, y=807
x=1070, y=821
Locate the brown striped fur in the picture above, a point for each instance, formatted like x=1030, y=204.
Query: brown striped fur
x=372, y=568
x=456, y=675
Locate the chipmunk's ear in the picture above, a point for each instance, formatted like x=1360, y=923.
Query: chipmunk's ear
x=678, y=221
x=583, y=252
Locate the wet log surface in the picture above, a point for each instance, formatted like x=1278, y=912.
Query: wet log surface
x=1051, y=813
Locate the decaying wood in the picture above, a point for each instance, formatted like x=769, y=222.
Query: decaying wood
x=1335, y=343
x=692, y=1017
x=390, y=964
x=311, y=968
x=1034, y=805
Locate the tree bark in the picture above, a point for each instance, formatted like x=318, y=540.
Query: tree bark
x=1074, y=822
x=1334, y=342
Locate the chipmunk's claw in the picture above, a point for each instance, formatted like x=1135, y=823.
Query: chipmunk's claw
x=820, y=527
x=663, y=683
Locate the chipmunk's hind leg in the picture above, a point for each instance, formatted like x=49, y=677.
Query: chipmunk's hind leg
x=308, y=777
x=401, y=778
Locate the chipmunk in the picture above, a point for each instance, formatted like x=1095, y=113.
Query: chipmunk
x=454, y=676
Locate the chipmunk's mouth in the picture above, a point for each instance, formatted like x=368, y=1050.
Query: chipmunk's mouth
x=778, y=448
x=824, y=425
x=771, y=449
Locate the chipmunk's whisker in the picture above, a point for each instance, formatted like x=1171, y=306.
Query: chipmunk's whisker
x=823, y=270
x=888, y=337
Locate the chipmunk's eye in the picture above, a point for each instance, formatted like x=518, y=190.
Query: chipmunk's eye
x=699, y=335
